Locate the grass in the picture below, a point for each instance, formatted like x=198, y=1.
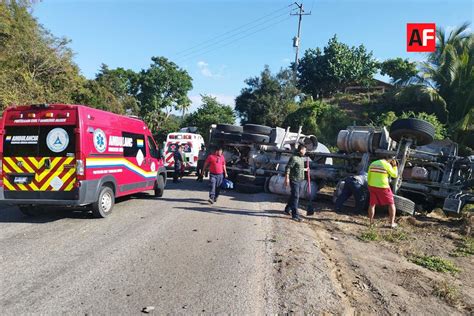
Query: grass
x=435, y=263
x=449, y=293
x=465, y=248
x=370, y=234
x=396, y=235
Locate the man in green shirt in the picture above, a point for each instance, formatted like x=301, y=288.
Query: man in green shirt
x=294, y=176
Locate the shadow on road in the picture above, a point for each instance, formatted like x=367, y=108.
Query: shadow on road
x=225, y=210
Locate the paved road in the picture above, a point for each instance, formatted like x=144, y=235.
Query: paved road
x=176, y=253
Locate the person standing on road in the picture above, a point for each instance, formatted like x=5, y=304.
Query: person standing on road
x=379, y=188
x=356, y=186
x=178, y=163
x=217, y=168
x=294, y=176
x=200, y=163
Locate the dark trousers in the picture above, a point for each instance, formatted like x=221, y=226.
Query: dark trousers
x=216, y=182
x=178, y=173
x=200, y=165
x=353, y=187
x=294, y=200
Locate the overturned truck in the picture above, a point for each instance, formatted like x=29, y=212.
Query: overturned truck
x=431, y=173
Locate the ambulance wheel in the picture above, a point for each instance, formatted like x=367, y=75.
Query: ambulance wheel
x=105, y=203
x=159, y=186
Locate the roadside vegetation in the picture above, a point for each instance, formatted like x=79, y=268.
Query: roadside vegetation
x=435, y=263
x=37, y=67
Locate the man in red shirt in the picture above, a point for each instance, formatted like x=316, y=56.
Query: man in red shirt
x=216, y=164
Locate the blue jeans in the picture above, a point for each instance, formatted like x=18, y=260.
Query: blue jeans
x=216, y=183
x=353, y=187
x=294, y=200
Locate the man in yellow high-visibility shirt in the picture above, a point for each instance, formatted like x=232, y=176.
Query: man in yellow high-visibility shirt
x=379, y=187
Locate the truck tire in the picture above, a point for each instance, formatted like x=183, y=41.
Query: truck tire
x=248, y=188
x=420, y=131
x=159, y=186
x=228, y=128
x=255, y=138
x=31, y=210
x=104, y=204
x=228, y=137
x=404, y=205
x=257, y=129
x=250, y=179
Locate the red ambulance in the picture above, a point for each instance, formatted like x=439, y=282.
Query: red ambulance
x=74, y=155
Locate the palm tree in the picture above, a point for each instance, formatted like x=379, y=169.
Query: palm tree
x=450, y=71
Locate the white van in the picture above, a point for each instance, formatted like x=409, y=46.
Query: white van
x=191, y=142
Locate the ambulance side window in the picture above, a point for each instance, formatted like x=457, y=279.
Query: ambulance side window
x=137, y=144
x=152, y=148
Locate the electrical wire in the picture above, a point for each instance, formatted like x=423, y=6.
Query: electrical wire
x=217, y=37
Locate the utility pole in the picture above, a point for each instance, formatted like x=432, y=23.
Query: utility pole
x=296, y=39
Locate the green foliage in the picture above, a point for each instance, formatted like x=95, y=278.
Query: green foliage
x=465, y=248
x=387, y=118
x=210, y=112
x=321, y=74
x=320, y=119
x=395, y=235
x=435, y=263
x=450, y=70
x=35, y=66
x=399, y=69
x=370, y=234
x=267, y=99
x=163, y=87
x=169, y=125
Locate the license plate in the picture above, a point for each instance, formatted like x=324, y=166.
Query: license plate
x=20, y=180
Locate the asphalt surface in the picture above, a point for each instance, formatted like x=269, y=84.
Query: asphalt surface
x=177, y=254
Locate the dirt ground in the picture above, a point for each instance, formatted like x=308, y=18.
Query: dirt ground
x=372, y=271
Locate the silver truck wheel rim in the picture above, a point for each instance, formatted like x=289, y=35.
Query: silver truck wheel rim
x=106, y=202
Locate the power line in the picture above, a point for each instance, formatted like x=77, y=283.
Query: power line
x=237, y=39
x=232, y=36
x=296, y=39
x=213, y=39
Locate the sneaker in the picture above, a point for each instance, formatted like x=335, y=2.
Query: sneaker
x=287, y=212
x=394, y=225
x=211, y=201
x=215, y=200
x=297, y=219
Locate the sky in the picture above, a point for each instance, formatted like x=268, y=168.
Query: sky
x=221, y=43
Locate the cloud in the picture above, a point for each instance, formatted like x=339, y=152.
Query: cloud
x=206, y=70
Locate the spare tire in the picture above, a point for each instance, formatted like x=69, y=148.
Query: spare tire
x=420, y=131
x=228, y=137
x=404, y=205
x=248, y=188
x=257, y=129
x=255, y=138
x=228, y=128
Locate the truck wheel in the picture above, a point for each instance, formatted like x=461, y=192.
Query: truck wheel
x=228, y=128
x=228, y=137
x=31, y=210
x=404, y=205
x=257, y=129
x=104, y=204
x=420, y=131
x=248, y=188
x=255, y=138
x=159, y=186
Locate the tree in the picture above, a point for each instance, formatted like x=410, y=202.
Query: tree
x=402, y=71
x=162, y=88
x=112, y=90
x=35, y=66
x=267, y=99
x=321, y=74
x=450, y=71
x=210, y=112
